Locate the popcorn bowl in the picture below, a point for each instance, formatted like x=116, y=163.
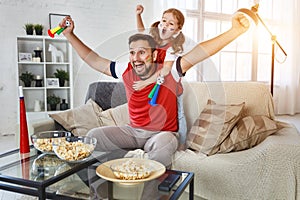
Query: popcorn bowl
x=42, y=141
x=45, y=165
x=74, y=148
x=131, y=169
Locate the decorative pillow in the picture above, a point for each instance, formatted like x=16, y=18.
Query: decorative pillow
x=117, y=116
x=106, y=118
x=212, y=126
x=120, y=114
x=81, y=119
x=248, y=132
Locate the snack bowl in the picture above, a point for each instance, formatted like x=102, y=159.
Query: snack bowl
x=74, y=148
x=131, y=169
x=42, y=141
x=45, y=165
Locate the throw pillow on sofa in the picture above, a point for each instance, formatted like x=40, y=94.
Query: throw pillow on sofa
x=90, y=115
x=81, y=119
x=212, y=126
x=249, y=132
x=120, y=114
x=117, y=116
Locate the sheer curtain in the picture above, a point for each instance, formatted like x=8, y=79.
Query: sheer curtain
x=287, y=74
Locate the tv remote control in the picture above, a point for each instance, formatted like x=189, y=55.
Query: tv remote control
x=168, y=182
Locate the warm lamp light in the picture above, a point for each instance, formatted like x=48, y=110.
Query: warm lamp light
x=256, y=18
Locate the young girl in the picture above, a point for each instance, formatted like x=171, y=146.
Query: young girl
x=167, y=33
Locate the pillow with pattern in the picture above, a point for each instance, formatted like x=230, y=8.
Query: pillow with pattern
x=249, y=132
x=212, y=126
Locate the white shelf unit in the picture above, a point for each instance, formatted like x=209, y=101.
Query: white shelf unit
x=45, y=69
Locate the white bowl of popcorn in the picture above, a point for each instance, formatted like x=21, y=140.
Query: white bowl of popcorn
x=74, y=149
x=42, y=141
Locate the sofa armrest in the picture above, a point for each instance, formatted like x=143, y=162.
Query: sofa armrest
x=41, y=125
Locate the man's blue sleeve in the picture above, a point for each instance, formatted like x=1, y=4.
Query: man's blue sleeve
x=178, y=67
x=113, y=70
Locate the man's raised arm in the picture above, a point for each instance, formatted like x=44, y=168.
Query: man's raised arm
x=88, y=55
x=203, y=50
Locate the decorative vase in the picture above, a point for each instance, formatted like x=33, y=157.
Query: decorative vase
x=37, y=106
x=38, y=54
x=38, y=83
x=64, y=105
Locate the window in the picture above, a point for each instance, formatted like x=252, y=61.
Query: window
x=239, y=60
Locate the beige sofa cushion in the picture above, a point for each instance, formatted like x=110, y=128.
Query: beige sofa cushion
x=90, y=115
x=117, y=116
x=80, y=119
x=248, y=132
x=212, y=126
x=120, y=114
x=256, y=96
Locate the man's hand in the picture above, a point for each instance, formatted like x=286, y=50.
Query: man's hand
x=69, y=29
x=139, y=9
x=240, y=22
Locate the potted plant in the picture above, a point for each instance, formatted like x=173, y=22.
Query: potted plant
x=29, y=28
x=27, y=78
x=38, y=29
x=62, y=76
x=53, y=100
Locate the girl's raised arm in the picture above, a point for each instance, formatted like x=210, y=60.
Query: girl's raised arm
x=139, y=20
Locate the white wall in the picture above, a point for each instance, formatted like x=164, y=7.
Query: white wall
x=104, y=25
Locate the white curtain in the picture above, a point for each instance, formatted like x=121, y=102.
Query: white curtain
x=287, y=75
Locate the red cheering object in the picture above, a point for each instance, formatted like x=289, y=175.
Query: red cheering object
x=25, y=163
x=57, y=30
x=24, y=140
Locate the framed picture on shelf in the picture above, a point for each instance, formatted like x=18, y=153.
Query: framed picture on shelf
x=55, y=19
x=52, y=82
x=25, y=57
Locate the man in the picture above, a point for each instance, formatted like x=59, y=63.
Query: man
x=152, y=128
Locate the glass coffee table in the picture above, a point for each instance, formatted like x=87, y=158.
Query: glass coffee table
x=47, y=177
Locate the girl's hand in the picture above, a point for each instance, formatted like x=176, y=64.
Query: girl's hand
x=138, y=85
x=139, y=9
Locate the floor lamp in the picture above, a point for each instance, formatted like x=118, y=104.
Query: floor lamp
x=256, y=18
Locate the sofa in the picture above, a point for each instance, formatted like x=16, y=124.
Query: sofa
x=261, y=168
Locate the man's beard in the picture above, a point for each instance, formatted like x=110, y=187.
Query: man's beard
x=147, y=72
